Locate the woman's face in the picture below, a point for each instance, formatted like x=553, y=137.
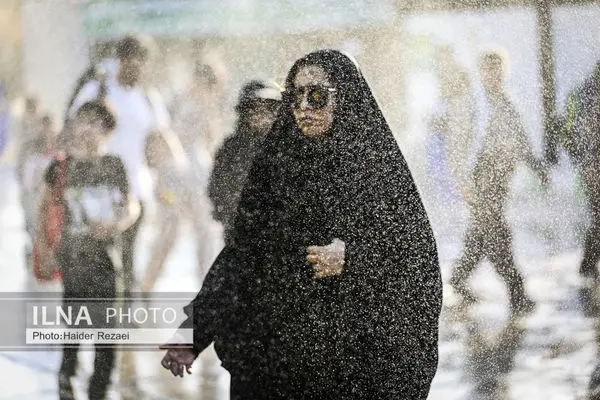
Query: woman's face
x=313, y=101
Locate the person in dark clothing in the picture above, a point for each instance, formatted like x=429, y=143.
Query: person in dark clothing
x=503, y=146
x=329, y=286
x=579, y=133
x=98, y=208
x=256, y=109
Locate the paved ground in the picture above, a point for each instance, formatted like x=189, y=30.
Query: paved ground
x=483, y=353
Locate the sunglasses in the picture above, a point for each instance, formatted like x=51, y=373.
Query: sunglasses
x=317, y=97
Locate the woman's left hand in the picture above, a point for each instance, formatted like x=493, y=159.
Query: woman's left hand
x=327, y=260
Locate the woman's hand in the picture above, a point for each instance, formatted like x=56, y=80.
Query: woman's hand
x=327, y=260
x=177, y=359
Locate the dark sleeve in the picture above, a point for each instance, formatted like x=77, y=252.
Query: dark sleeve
x=220, y=303
x=216, y=307
x=51, y=176
x=115, y=165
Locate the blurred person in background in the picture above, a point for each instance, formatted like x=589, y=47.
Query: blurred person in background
x=579, y=134
x=183, y=180
x=452, y=127
x=503, y=146
x=28, y=133
x=178, y=201
x=138, y=112
x=89, y=75
x=102, y=72
x=43, y=150
x=256, y=110
x=98, y=208
x=197, y=120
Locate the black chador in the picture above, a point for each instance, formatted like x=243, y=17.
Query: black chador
x=370, y=332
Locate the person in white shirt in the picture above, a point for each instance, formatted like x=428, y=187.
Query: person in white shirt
x=138, y=112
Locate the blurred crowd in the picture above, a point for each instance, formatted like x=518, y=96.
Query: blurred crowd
x=183, y=167
x=171, y=151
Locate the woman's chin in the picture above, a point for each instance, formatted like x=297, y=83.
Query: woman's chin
x=312, y=132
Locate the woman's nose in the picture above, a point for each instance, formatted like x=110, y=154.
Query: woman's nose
x=304, y=103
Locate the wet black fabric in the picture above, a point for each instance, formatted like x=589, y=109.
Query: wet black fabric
x=370, y=332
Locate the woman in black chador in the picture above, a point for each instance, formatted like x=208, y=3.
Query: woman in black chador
x=330, y=285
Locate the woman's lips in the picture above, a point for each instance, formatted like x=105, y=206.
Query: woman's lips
x=306, y=122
